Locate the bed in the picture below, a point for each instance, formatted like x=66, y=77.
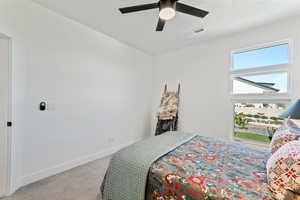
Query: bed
x=200, y=168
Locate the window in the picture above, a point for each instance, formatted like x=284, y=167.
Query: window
x=270, y=83
x=260, y=89
x=259, y=57
x=257, y=121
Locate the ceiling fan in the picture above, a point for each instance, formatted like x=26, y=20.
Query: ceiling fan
x=167, y=10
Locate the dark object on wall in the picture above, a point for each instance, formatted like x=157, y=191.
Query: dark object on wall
x=9, y=124
x=43, y=106
x=168, y=112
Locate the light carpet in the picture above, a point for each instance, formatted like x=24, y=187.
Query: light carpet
x=81, y=183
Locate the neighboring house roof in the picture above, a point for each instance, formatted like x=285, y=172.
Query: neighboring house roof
x=265, y=86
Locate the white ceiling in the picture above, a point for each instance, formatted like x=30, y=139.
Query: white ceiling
x=138, y=29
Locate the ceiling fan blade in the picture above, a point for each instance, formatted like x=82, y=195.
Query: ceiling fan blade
x=139, y=8
x=160, y=25
x=180, y=7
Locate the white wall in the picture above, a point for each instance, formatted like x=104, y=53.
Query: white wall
x=203, y=70
x=97, y=88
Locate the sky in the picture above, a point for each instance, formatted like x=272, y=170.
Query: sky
x=274, y=55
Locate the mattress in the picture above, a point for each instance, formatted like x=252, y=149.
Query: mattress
x=210, y=169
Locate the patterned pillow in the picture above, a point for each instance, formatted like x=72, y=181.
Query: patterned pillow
x=283, y=169
x=288, y=132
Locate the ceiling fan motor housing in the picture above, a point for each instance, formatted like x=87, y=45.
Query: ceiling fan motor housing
x=167, y=4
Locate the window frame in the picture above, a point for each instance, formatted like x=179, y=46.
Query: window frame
x=261, y=46
x=269, y=69
x=260, y=98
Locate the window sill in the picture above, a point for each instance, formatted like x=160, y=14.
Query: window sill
x=282, y=97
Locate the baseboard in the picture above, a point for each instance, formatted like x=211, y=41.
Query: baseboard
x=31, y=178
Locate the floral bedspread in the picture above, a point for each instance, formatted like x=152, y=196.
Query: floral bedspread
x=210, y=169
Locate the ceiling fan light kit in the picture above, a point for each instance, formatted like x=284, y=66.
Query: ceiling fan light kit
x=167, y=10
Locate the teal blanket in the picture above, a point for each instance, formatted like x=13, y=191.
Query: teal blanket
x=126, y=177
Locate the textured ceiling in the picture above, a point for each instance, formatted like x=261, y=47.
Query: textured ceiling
x=138, y=29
